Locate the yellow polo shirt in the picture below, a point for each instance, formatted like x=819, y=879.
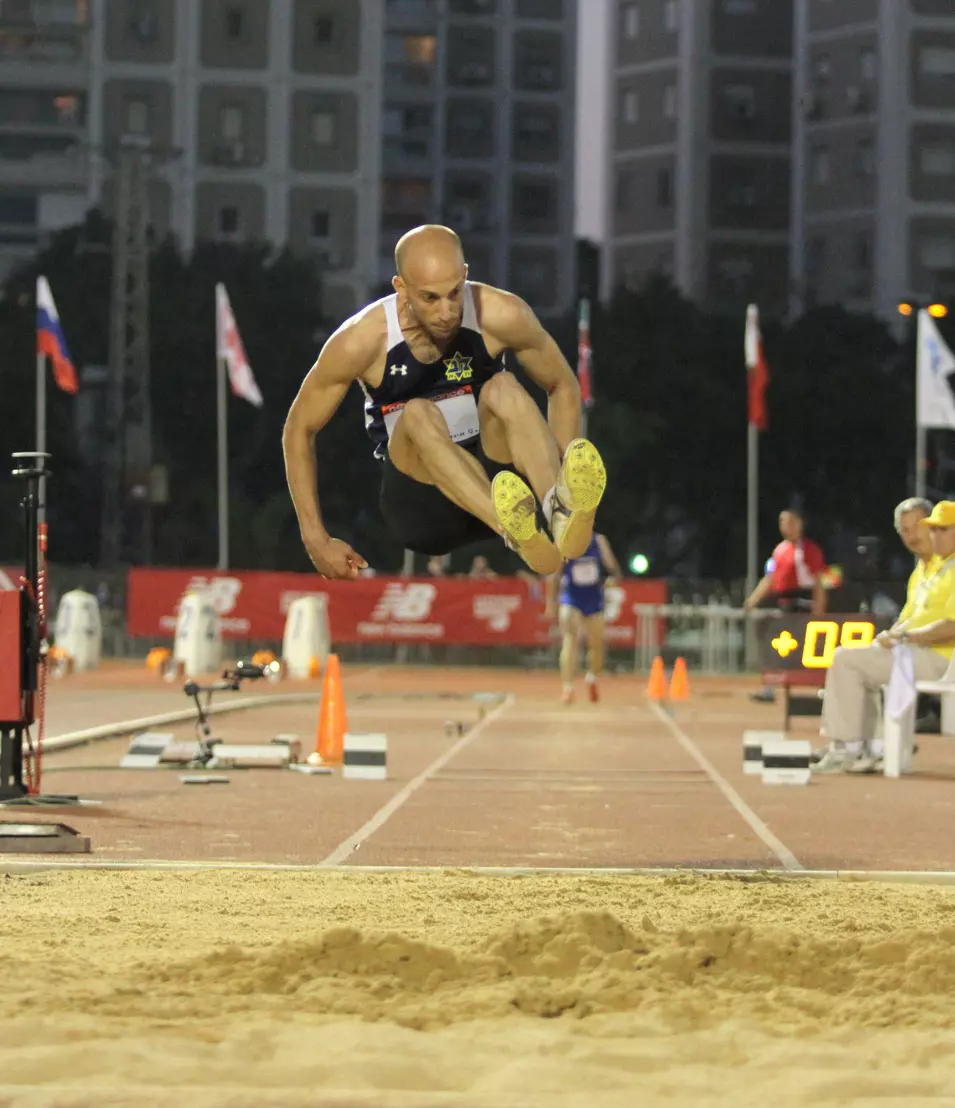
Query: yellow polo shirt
x=934, y=599
x=916, y=577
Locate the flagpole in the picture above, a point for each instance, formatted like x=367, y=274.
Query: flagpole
x=752, y=505
x=223, y=445
x=920, y=434
x=41, y=431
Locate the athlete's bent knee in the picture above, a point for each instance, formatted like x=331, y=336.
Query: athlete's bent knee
x=501, y=393
x=421, y=418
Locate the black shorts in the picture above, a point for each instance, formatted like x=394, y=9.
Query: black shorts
x=422, y=518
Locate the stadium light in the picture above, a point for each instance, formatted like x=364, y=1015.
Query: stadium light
x=905, y=309
x=639, y=563
x=937, y=311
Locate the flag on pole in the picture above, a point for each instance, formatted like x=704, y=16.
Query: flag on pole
x=584, y=355
x=757, y=371
x=229, y=347
x=50, y=341
x=935, y=403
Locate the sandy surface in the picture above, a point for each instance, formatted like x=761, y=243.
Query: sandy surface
x=294, y=988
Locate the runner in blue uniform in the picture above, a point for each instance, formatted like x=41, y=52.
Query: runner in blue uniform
x=576, y=597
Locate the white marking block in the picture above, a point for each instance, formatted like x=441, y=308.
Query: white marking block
x=753, y=749
x=146, y=750
x=365, y=756
x=197, y=646
x=78, y=629
x=787, y=761
x=226, y=755
x=306, y=634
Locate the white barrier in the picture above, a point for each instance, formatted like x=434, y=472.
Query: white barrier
x=198, y=642
x=306, y=634
x=78, y=630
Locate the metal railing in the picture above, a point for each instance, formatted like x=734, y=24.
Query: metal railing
x=713, y=638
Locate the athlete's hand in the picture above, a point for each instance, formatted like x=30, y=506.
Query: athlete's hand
x=334, y=559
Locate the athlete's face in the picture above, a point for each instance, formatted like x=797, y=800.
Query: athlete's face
x=436, y=298
x=790, y=526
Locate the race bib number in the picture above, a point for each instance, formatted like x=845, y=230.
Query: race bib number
x=585, y=572
x=459, y=409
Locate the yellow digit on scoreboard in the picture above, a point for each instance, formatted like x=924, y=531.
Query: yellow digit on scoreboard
x=816, y=629
x=856, y=632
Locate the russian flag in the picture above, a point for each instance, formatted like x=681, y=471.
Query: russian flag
x=50, y=340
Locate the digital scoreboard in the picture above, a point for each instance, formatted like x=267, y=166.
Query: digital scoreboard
x=804, y=642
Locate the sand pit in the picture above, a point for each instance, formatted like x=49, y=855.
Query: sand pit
x=244, y=988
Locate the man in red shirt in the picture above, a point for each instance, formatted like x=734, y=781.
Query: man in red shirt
x=793, y=578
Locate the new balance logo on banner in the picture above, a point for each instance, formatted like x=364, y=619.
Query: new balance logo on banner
x=410, y=603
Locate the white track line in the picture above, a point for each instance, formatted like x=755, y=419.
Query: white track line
x=782, y=852
x=13, y=865
x=381, y=817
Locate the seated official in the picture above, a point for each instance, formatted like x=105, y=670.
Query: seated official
x=851, y=711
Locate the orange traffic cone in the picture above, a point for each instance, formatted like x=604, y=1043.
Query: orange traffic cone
x=330, y=743
x=657, y=685
x=679, y=682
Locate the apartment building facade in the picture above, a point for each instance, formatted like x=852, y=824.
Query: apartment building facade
x=478, y=133
x=874, y=153
x=699, y=154
x=258, y=120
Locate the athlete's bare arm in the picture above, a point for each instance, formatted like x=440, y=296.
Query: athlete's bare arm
x=347, y=355
x=507, y=320
x=608, y=558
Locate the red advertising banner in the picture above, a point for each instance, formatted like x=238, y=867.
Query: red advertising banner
x=253, y=605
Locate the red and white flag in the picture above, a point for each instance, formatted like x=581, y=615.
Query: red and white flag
x=584, y=355
x=229, y=346
x=757, y=371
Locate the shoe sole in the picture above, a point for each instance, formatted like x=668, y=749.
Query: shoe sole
x=516, y=509
x=582, y=482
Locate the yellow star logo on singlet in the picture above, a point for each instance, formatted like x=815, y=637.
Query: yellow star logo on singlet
x=458, y=368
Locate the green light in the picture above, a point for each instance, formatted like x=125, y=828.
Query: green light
x=639, y=563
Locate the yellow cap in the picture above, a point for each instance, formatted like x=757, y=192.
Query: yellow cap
x=943, y=515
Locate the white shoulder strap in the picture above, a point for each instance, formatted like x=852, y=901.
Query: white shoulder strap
x=470, y=319
x=391, y=315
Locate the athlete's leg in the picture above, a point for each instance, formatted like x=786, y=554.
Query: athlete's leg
x=514, y=431
x=421, y=447
x=569, y=621
x=594, y=636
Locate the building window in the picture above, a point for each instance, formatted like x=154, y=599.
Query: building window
x=534, y=201
x=816, y=251
x=937, y=251
x=820, y=165
x=863, y=158
x=231, y=123
x=136, y=117
x=862, y=251
x=671, y=16
x=228, y=220
x=937, y=159
x=664, y=188
x=739, y=101
x=320, y=225
x=321, y=128
x=868, y=65
x=234, y=24
x=669, y=102
x=739, y=7
x=821, y=68
x=937, y=61
x=631, y=20
x=630, y=109
x=142, y=21
x=323, y=30
x=623, y=191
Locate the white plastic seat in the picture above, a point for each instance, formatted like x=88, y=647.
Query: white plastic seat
x=898, y=732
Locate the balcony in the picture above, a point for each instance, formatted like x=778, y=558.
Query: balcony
x=43, y=30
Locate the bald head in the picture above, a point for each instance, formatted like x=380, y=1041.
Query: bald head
x=428, y=253
x=430, y=280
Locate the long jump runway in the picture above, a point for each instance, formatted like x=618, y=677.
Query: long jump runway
x=527, y=783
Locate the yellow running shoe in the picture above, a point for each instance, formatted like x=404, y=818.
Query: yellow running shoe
x=580, y=488
x=516, y=509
